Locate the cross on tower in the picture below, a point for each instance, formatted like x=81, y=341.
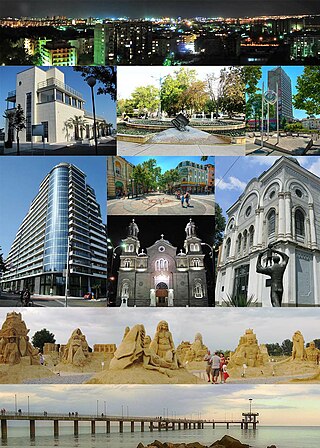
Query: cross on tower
x=162, y=235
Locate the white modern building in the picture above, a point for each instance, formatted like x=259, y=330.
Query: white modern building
x=282, y=207
x=46, y=100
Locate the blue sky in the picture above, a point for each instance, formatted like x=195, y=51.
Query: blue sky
x=20, y=178
x=233, y=174
x=293, y=72
x=167, y=163
x=105, y=107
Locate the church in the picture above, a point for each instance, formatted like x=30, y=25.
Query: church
x=161, y=276
x=280, y=208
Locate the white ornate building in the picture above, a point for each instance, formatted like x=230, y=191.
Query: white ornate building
x=282, y=207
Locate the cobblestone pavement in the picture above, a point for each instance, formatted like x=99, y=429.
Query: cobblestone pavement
x=161, y=204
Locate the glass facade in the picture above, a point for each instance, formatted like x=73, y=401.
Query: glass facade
x=56, y=234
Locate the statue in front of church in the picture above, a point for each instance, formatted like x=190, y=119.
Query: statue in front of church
x=275, y=271
x=133, y=229
x=190, y=229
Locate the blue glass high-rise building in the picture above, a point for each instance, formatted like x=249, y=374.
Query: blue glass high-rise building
x=64, y=213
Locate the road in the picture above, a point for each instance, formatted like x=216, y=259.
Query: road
x=161, y=204
x=13, y=300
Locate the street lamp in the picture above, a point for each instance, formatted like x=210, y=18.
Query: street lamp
x=91, y=81
x=97, y=408
x=28, y=405
x=250, y=401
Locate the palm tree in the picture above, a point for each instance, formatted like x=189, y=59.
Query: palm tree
x=16, y=122
x=68, y=125
x=79, y=125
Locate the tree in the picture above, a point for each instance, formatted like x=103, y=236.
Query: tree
x=146, y=99
x=251, y=76
x=105, y=75
x=254, y=108
x=16, y=123
x=220, y=224
x=78, y=123
x=286, y=347
x=169, y=178
x=194, y=97
x=308, y=91
x=274, y=349
x=233, y=88
x=41, y=337
x=172, y=88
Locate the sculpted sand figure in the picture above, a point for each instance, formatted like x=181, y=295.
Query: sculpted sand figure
x=197, y=350
x=163, y=345
x=312, y=352
x=14, y=342
x=298, y=350
x=248, y=351
x=76, y=351
x=131, y=348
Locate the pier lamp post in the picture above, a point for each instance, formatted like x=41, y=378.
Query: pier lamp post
x=105, y=407
x=28, y=405
x=91, y=81
x=97, y=408
x=15, y=404
x=122, y=410
x=250, y=404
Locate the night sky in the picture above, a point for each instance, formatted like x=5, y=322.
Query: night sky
x=133, y=8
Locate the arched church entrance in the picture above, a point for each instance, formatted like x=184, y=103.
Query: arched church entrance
x=162, y=294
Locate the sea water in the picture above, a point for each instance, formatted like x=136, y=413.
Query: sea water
x=282, y=437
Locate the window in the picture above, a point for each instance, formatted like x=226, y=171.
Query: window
x=198, y=291
x=271, y=222
x=127, y=263
x=299, y=223
x=251, y=236
x=245, y=238
x=59, y=95
x=195, y=262
x=47, y=96
x=228, y=247
x=161, y=264
x=298, y=193
x=248, y=211
x=239, y=243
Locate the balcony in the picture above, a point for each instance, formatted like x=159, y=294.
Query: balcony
x=53, y=82
x=11, y=97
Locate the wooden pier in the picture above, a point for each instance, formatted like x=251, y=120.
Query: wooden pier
x=135, y=423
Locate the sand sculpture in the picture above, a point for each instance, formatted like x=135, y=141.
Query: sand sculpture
x=298, y=350
x=248, y=352
x=15, y=347
x=192, y=352
x=137, y=348
x=76, y=352
x=312, y=352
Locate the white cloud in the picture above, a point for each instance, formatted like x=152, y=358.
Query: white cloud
x=233, y=183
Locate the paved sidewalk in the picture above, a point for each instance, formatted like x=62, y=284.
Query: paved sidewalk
x=134, y=149
x=161, y=204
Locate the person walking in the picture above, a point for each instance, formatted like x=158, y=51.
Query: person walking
x=208, y=360
x=187, y=198
x=215, y=367
x=222, y=362
x=182, y=200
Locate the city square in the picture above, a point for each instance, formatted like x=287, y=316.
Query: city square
x=160, y=186
x=181, y=111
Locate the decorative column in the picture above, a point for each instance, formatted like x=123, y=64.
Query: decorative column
x=312, y=227
x=259, y=230
x=233, y=242
x=288, y=221
x=281, y=216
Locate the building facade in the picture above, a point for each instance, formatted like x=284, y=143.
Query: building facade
x=194, y=177
x=281, y=207
x=119, y=172
x=160, y=276
x=46, y=100
x=64, y=221
x=277, y=77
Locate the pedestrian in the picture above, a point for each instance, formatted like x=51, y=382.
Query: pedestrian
x=222, y=362
x=225, y=372
x=182, y=200
x=187, y=198
x=208, y=360
x=215, y=367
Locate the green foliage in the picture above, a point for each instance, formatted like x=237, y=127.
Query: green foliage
x=146, y=175
x=286, y=347
x=308, y=91
x=173, y=87
x=194, y=98
x=145, y=99
x=220, y=224
x=41, y=337
x=105, y=75
x=240, y=300
x=233, y=88
x=274, y=349
x=2, y=264
x=16, y=122
x=294, y=127
x=169, y=178
x=251, y=76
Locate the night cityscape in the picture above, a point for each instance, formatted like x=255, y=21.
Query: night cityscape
x=255, y=39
